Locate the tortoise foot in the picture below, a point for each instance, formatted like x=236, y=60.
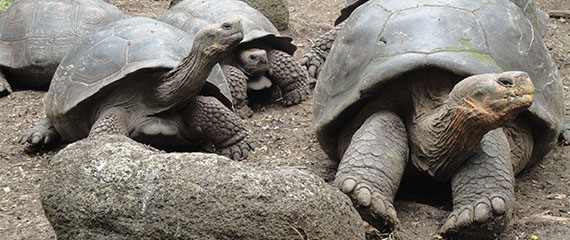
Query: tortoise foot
x=239, y=150
x=483, y=219
x=371, y=203
x=39, y=137
x=313, y=61
x=5, y=88
x=295, y=96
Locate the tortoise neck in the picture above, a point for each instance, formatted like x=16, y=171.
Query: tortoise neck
x=186, y=80
x=445, y=138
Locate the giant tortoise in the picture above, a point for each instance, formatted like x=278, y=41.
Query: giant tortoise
x=36, y=34
x=444, y=87
x=147, y=80
x=262, y=53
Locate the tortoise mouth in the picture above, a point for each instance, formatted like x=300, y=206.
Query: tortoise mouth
x=233, y=38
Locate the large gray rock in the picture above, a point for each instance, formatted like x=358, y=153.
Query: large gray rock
x=277, y=11
x=111, y=187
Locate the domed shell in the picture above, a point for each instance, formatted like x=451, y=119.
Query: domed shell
x=537, y=17
x=36, y=34
x=193, y=15
x=385, y=39
x=120, y=49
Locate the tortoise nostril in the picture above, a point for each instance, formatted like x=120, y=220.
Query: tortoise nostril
x=505, y=82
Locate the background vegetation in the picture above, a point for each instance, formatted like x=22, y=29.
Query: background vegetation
x=4, y=4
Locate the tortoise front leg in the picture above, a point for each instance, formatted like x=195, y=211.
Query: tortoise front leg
x=290, y=76
x=317, y=54
x=372, y=167
x=483, y=191
x=5, y=88
x=112, y=121
x=219, y=127
x=238, y=87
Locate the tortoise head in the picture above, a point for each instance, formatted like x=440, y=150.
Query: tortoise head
x=253, y=60
x=494, y=97
x=219, y=38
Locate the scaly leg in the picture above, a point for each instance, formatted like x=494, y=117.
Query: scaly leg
x=112, y=121
x=5, y=88
x=317, y=54
x=219, y=127
x=372, y=167
x=290, y=76
x=483, y=191
x=40, y=136
x=238, y=87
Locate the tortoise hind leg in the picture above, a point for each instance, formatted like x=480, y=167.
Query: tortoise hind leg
x=372, y=167
x=314, y=58
x=290, y=76
x=40, y=136
x=238, y=87
x=483, y=191
x=112, y=121
x=220, y=127
x=5, y=88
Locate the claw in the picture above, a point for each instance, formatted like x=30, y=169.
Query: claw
x=236, y=156
x=35, y=139
x=499, y=206
x=363, y=196
x=482, y=212
x=464, y=218
x=313, y=71
x=24, y=138
x=449, y=223
x=348, y=185
x=304, y=61
x=377, y=205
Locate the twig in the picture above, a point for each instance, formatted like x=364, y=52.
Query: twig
x=545, y=219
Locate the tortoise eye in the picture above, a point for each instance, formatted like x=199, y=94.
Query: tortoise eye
x=227, y=26
x=505, y=82
x=252, y=58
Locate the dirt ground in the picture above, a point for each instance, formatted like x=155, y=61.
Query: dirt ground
x=543, y=192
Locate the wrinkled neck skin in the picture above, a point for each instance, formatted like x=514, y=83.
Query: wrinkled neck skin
x=444, y=129
x=443, y=139
x=186, y=80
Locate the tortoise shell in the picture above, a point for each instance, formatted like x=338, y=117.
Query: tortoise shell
x=193, y=15
x=36, y=34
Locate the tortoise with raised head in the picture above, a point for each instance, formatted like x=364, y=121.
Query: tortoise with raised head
x=263, y=58
x=36, y=34
x=147, y=80
x=437, y=84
